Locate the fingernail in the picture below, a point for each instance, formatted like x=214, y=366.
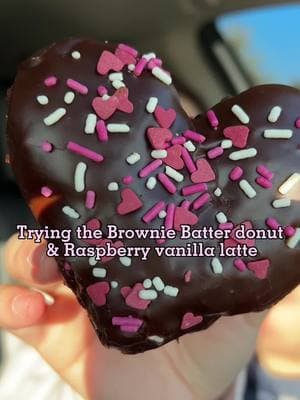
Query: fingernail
x=44, y=268
x=21, y=305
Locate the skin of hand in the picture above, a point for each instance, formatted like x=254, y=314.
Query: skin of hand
x=200, y=366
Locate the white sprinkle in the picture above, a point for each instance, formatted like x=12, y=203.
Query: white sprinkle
x=114, y=284
x=190, y=146
x=242, y=154
x=55, y=116
x=172, y=173
x=151, y=104
x=131, y=67
x=76, y=55
x=278, y=133
x=218, y=192
x=147, y=283
x=148, y=294
x=226, y=144
x=221, y=218
x=133, y=158
x=151, y=183
x=159, y=153
x=216, y=265
x=69, y=97
x=240, y=114
x=158, y=283
x=118, y=84
x=70, y=212
x=156, y=338
x=247, y=188
x=162, y=75
x=171, y=291
x=90, y=123
x=115, y=76
x=293, y=241
x=92, y=261
x=79, y=177
x=162, y=214
x=126, y=261
x=113, y=186
x=274, y=114
x=281, y=203
x=118, y=128
x=99, y=272
x=43, y=100
x=148, y=56
x=105, y=96
x=289, y=183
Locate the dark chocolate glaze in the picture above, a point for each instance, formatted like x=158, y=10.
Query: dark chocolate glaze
x=208, y=294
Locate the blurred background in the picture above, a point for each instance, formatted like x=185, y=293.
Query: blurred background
x=214, y=48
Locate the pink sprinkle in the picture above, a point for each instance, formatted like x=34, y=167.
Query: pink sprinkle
x=178, y=140
x=216, y=152
x=297, y=123
x=102, y=90
x=90, y=199
x=102, y=131
x=127, y=180
x=196, y=137
x=140, y=66
x=154, y=211
x=169, y=221
x=167, y=183
x=272, y=223
x=240, y=265
x=188, y=276
x=289, y=231
x=129, y=49
x=154, y=62
x=189, y=163
x=83, y=151
x=50, y=81
x=185, y=204
x=226, y=225
x=127, y=321
x=77, y=86
x=264, y=171
x=212, y=118
x=263, y=182
x=46, y=191
x=150, y=168
x=201, y=201
x=192, y=189
x=47, y=147
x=236, y=173
x=129, y=328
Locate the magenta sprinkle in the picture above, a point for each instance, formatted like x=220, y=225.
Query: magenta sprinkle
x=263, y=182
x=226, y=225
x=90, y=199
x=272, y=223
x=289, y=231
x=129, y=328
x=153, y=212
x=236, y=173
x=50, y=81
x=297, y=123
x=240, y=265
x=127, y=321
x=212, y=118
x=264, y=171
x=77, y=86
x=188, y=276
x=192, y=189
x=185, y=204
x=154, y=62
x=83, y=151
x=201, y=201
x=127, y=180
x=178, y=140
x=140, y=66
x=150, y=168
x=196, y=137
x=189, y=163
x=47, y=147
x=167, y=183
x=102, y=90
x=102, y=131
x=129, y=49
x=169, y=221
x=215, y=152
x=46, y=191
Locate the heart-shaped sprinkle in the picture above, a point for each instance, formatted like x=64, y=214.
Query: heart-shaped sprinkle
x=189, y=320
x=158, y=137
x=184, y=217
x=259, y=268
x=124, y=104
x=164, y=117
x=130, y=202
x=173, y=158
x=204, y=172
x=238, y=134
x=125, y=57
x=132, y=298
x=107, y=62
x=237, y=234
x=98, y=292
x=105, y=108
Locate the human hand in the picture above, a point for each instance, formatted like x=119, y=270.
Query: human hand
x=201, y=366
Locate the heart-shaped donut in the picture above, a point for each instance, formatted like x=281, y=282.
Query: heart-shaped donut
x=96, y=133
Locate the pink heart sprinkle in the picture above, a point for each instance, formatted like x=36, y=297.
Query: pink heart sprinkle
x=123, y=103
x=130, y=202
x=105, y=108
x=173, y=158
x=164, y=117
x=132, y=298
x=97, y=292
x=108, y=61
x=125, y=56
x=158, y=137
x=189, y=320
x=117, y=244
x=247, y=242
x=260, y=268
x=92, y=225
x=204, y=172
x=238, y=134
x=184, y=217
